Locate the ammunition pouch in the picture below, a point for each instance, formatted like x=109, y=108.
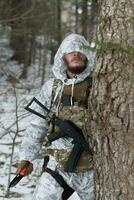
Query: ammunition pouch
x=85, y=163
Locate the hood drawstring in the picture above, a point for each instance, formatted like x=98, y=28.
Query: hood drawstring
x=59, y=93
x=72, y=90
x=70, y=180
x=56, y=94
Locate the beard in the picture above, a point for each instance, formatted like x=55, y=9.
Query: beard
x=76, y=70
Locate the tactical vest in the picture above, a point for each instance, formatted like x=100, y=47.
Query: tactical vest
x=77, y=113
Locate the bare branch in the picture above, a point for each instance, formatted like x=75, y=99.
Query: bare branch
x=14, y=140
x=21, y=16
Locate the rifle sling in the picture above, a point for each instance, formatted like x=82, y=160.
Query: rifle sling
x=68, y=191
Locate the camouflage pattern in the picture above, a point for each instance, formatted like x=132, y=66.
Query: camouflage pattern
x=47, y=188
x=77, y=114
x=85, y=162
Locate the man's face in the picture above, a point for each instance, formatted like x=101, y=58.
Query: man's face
x=75, y=61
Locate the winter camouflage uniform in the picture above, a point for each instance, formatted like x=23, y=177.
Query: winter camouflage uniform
x=50, y=95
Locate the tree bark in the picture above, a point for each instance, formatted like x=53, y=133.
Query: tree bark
x=92, y=21
x=76, y=16
x=59, y=32
x=112, y=102
x=84, y=20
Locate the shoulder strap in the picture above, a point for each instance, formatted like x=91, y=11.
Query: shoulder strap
x=68, y=191
x=55, y=99
x=54, y=89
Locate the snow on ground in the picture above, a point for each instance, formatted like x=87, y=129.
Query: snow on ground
x=24, y=91
x=24, y=189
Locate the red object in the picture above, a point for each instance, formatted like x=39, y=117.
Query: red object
x=22, y=172
x=20, y=175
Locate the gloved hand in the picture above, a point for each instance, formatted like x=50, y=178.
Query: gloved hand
x=24, y=168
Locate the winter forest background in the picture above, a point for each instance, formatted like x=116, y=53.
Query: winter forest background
x=30, y=33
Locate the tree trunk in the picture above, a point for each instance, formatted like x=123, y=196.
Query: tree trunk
x=92, y=21
x=112, y=102
x=84, y=19
x=76, y=16
x=59, y=22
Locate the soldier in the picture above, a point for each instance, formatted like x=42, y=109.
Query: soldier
x=67, y=96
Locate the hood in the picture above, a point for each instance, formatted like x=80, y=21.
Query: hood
x=71, y=43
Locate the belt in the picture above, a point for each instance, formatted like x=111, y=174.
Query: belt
x=85, y=163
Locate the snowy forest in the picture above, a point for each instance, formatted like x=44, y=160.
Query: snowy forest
x=30, y=34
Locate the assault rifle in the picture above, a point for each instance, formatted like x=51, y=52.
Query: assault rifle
x=67, y=129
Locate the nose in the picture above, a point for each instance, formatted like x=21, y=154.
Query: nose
x=76, y=53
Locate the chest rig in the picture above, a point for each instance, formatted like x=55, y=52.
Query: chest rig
x=78, y=111
x=74, y=108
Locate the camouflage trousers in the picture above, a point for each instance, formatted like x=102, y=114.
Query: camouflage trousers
x=48, y=189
